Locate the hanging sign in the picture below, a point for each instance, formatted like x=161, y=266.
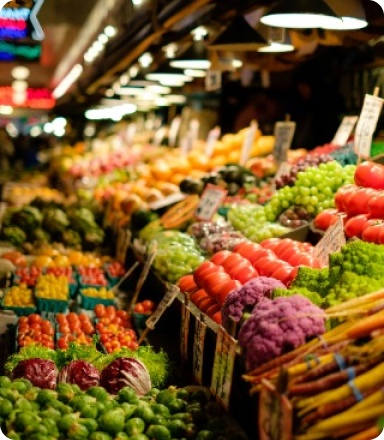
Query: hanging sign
x=198, y=350
x=346, y=127
x=212, y=138
x=213, y=80
x=332, y=241
x=248, y=143
x=223, y=365
x=184, y=331
x=284, y=132
x=367, y=125
x=210, y=201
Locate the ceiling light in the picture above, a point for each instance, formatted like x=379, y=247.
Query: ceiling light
x=48, y=128
x=59, y=132
x=19, y=86
x=301, y=14
x=19, y=97
x=124, y=79
x=145, y=60
x=194, y=73
x=6, y=110
x=35, y=131
x=114, y=112
x=97, y=46
x=20, y=72
x=160, y=90
x=109, y=93
x=88, y=57
x=199, y=33
x=166, y=73
x=68, y=81
x=351, y=12
x=194, y=58
x=239, y=36
x=137, y=2
x=133, y=71
x=12, y=130
x=176, y=99
x=171, y=82
x=237, y=64
x=140, y=82
x=275, y=47
x=103, y=39
x=170, y=50
x=162, y=102
x=110, y=31
x=130, y=91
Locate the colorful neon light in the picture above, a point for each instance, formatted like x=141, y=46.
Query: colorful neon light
x=35, y=99
x=11, y=51
x=15, y=14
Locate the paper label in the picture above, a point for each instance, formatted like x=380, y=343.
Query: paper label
x=212, y=138
x=184, y=331
x=284, y=132
x=213, y=80
x=166, y=201
x=167, y=300
x=275, y=419
x=248, y=143
x=198, y=350
x=210, y=201
x=346, y=127
x=223, y=365
x=332, y=241
x=174, y=131
x=367, y=125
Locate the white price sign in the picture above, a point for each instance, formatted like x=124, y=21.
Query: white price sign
x=198, y=350
x=367, y=125
x=223, y=365
x=174, y=131
x=184, y=331
x=248, y=143
x=346, y=127
x=167, y=300
x=210, y=201
x=212, y=138
x=332, y=241
x=213, y=80
x=284, y=132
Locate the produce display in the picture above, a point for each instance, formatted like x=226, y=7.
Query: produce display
x=19, y=296
x=52, y=287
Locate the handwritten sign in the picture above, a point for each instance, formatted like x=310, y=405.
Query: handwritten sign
x=275, y=414
x=198, y=350
x=284, y=132
x=213, y=80
x=367, y=125
x=223, y=365
x=346, y=127
x=248, y=143
x=212, y=138
x=332, y=241
x=184, y=331
x=210, y=201
x=174, y=131
x=167, y=300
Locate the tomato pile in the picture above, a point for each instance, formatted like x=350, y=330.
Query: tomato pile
x=145, y=307
x=115, y=328
x=74, y=328
x=115, y=269
x=61, y=271
x=35, y=330
x=28, y=275
x=92, y=276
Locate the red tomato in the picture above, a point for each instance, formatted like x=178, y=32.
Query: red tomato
x=34, y=318
x=100, y=311
x=226, y=289
x=149, y=305
x=376, y=206
x=219, y=257
x=249, y=251
x=232, y=261
x=309, y=261
x=243, y=270
x=139, y=308
x=204, y=270
x=355, y=225
x=381, y=236
x=341, y=194
x=357, y=202
x=261, y=253
x=246, y=274
x=266, y=266
x=122, y=313
x=372, y=230
x=111, y=311
x=214, y=278
x=201, y=299
x=270, y=243
x=370, y=175
x=326, y=218
x=210, y=311
x=187, y=284
x=205, y=304
x=295, y=258
x=195, y=297
x=23, y=320
x=217, y=318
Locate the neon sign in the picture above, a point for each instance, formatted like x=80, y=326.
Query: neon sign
x=35, y=98
x=10, y=51
x=18, y=22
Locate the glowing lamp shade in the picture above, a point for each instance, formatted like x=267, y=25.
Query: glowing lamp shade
x=196, y=57
x=195, y=73
x=169, y=77
x=301, y=14
x=351, y=12
x=20, y=72
x=277, y=48
x=239, y=36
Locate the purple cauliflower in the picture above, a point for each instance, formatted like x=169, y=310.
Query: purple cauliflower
x=279, y=326
x=244, y=298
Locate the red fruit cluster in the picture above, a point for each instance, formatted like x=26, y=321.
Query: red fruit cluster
x=92, y=276
x=61, y=272
x=28, y=275
x=34, y=330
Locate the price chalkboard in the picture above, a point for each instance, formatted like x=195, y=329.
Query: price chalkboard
x=332, y=241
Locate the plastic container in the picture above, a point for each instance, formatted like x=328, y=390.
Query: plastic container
x=139, y=320
x=51, y=305
x=19, y=311
x=89, y=303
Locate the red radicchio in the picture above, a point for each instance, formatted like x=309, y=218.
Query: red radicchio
x=41, y=373
x=81, y=373
x=126, y=372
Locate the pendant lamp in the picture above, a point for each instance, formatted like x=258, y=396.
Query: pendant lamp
x=239, y=36
x=196, y=57
x=301, y=14
x=279, y=41
x=168, y=76
x=351, y=12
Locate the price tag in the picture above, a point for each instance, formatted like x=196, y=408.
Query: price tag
x=223, y=365
x=174, y=131
x=167, y=201
x=124, y=237
x=248, y=143
x=184, y=331
x=284, y=132
x=367, y=125
x=167, y=300
x=213, y=80
x=210, y=201
x=159, y=135
x=346, y=127
x=212, y=138
x=332, y=241
x=275, y=418
x=198, y=350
